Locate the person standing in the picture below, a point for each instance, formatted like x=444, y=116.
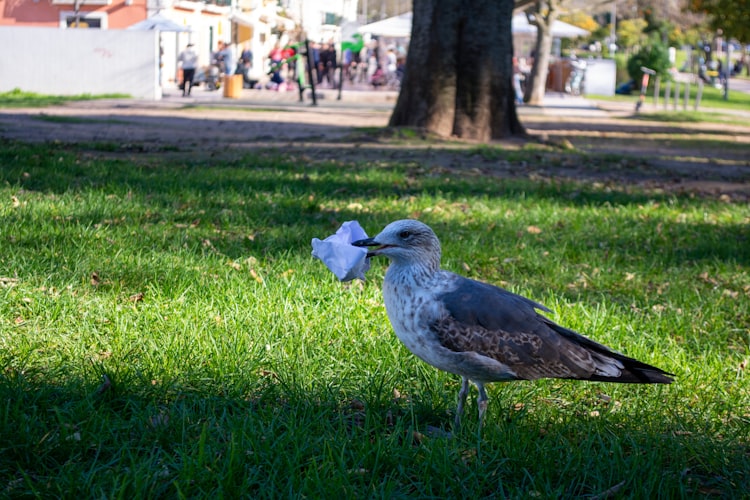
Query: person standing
x=188, y=61
x=328, y=65
x=277, y=58
x=228, y=54
x=246, y=59
x=244, y=65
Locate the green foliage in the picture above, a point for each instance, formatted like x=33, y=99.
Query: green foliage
x=630, y=32
x=164, y=332
x=653, y=56
x=18, y=98
x=679, y=38
x=730, y=16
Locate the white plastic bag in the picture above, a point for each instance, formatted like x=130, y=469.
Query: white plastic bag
x=340, y=256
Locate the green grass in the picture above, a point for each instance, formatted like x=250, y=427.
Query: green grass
x=691, y=116
x=712, y=98
x=239, y=366
x=18, y=98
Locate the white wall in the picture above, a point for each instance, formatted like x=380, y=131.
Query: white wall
x=600, y=76
x=71, y=62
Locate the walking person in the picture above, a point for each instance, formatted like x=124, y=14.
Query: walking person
x=188, y=61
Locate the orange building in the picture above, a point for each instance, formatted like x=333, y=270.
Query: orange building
x=101, y=14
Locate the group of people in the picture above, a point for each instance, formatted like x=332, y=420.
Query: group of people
x=284, y=64
x=371, y=64
x=222, y=63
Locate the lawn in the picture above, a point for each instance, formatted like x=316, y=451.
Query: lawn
x=165, y=333
x=18, y=98
x=712, y=99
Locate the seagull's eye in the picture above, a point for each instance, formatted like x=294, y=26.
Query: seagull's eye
x=404, y=234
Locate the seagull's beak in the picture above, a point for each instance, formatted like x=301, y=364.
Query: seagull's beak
x=369, y=242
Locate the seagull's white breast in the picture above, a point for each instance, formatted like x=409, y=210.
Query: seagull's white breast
x=411, y=310
x=413, y=306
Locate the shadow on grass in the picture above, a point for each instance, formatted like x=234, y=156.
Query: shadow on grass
x=131, y=438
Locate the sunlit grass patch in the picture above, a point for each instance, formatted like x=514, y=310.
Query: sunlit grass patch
x=18, y=98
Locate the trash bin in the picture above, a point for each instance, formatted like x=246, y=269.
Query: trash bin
x=232, y=86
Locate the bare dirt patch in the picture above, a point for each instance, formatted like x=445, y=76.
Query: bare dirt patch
x=573, y=144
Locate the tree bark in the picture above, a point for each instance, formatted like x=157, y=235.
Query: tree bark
x=537, y=84
x=459, y=70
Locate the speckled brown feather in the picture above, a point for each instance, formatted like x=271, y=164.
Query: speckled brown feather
x=506, y=327
x=529, y=355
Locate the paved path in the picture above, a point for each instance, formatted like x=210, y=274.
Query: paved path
x=383, y=100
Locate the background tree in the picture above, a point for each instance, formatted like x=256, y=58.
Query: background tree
x=541, y=14
x=730, y=16
x=630, y=33
x=459, y=70
x=654, y=56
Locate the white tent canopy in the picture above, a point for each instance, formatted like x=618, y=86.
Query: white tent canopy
x=158, y=22
x=393, y=27
x=400, y=27
x=560, y=29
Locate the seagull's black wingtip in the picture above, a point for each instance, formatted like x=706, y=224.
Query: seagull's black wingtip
x=638, y=374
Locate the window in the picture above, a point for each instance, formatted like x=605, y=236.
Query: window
x=91, y=20
x=84, y=22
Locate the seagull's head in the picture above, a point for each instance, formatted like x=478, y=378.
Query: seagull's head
x=405, y=241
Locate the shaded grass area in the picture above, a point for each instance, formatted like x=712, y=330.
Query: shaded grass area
x=164, y=332
x=74, y=120
x=18, y=98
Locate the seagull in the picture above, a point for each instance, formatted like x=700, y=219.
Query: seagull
x=482, y=332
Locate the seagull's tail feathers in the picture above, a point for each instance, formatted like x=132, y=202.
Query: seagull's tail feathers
x=633, y=372
x=612, y=366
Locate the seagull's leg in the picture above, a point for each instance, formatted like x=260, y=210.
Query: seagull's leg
x=482, y=401
x=462, y=400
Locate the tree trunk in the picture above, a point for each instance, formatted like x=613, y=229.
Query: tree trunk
x=537, y=84
x=459, y=70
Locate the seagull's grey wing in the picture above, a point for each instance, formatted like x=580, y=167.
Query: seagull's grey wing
x=506, y=327
x=492, y=307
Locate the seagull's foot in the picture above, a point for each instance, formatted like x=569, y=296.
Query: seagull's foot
x=482, y=410
x=437, y=432
x=482, y=402
x=462, y=394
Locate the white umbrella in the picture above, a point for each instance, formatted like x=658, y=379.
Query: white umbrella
x=560, y=29
x=160, y=23
x=393, y=27
x=400, y=27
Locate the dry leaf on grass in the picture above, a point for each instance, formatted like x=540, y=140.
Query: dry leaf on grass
x=255, y=276
x=8, y=282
